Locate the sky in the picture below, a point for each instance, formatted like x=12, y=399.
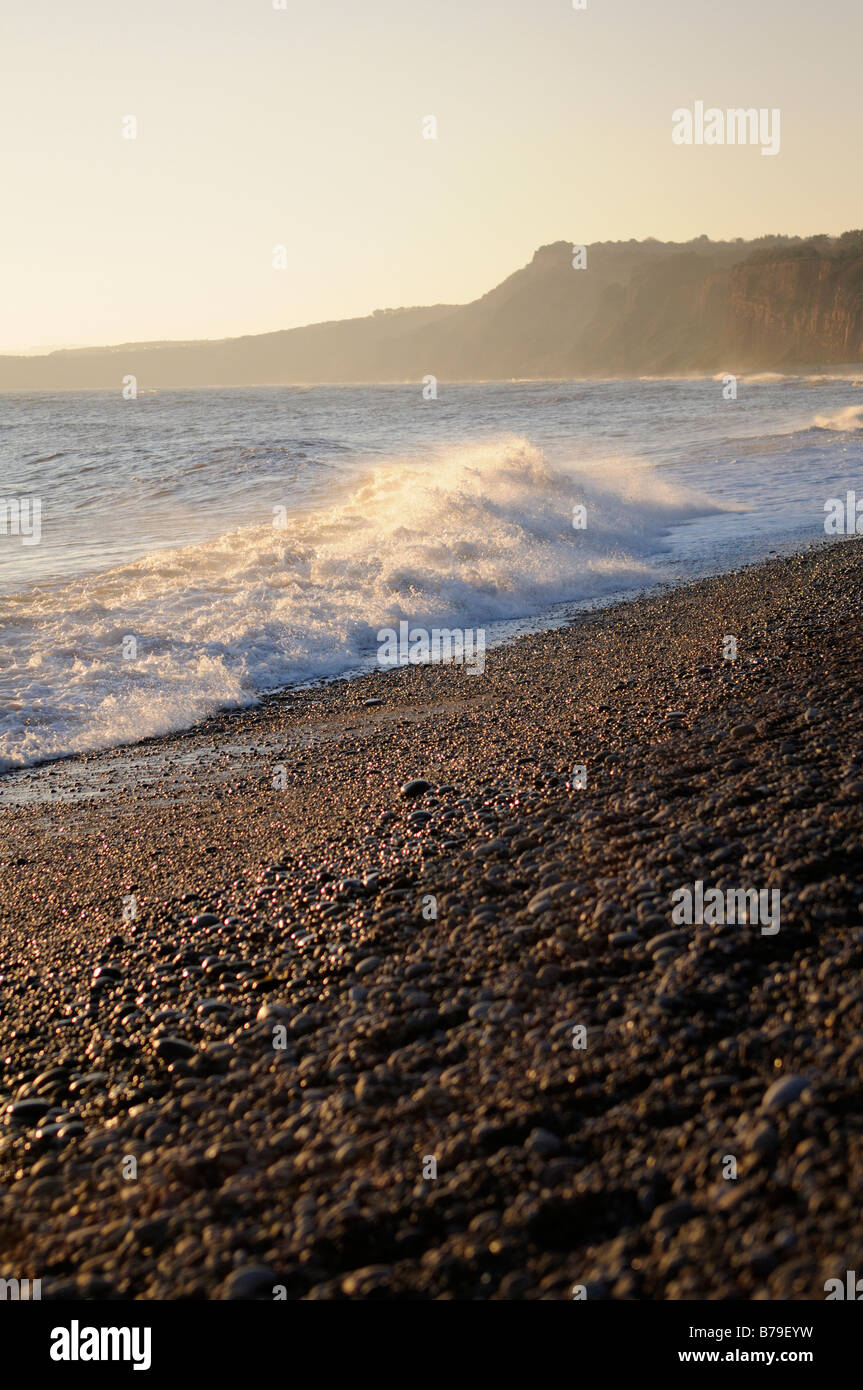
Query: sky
x=302, y=127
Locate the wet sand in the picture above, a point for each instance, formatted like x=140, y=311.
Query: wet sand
x=332, y=990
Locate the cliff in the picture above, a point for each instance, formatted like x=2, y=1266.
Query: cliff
x=799, y=309
x=639, y=308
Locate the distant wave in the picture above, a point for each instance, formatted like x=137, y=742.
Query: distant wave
x=846, y=421
x=764, y=378
x=476, y=534
x=790, y=378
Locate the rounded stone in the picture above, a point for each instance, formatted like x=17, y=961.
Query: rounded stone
x=416, y=787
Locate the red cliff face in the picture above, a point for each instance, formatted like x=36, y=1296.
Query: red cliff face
x=795, y=311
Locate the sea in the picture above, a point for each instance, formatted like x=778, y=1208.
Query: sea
x=197, y=549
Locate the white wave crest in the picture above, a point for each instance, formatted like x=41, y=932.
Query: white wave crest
x=845, y=421
x=480, y=533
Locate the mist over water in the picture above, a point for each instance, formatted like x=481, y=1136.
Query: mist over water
x=158, y=522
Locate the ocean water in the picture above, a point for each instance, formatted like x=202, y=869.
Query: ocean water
x=251, y=540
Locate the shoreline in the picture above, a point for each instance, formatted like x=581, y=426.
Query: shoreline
x=409, y=1037
x=504, y=631
x=833, y=370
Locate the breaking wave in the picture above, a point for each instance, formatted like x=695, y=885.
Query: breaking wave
x=846, y=420
x=471, y=536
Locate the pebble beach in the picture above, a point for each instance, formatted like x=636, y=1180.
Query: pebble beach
x=362, y=994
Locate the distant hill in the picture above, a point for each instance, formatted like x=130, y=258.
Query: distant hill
x=639, y=308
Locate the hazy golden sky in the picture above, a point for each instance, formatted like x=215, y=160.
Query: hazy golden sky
x=302, y=127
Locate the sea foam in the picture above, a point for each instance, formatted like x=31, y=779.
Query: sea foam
x=470, y=536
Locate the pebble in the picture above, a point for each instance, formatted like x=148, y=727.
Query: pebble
x=415, y=787
x=250, y=1282
x=366, y=966
x=174, y=1049
x=271, y=1011
x=540, y=902
x=665, y=941
x=28, y=1110
x=543, y=1142
x=784, y=1092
